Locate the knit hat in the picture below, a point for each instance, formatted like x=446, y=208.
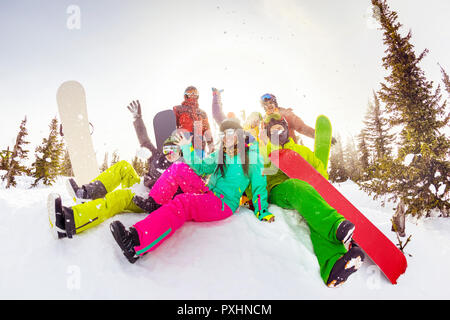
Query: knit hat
x=230, y=123
x=274, y=119
x=170, y=141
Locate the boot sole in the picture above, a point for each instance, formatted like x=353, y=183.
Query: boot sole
x=52, y=215
x=73, y=195
x=351, y=266
x=119, y=242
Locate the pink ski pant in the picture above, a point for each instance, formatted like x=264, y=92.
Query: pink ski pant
x=197, y=203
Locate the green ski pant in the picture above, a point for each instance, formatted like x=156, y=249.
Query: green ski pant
x=92, y=213
x=322, y=219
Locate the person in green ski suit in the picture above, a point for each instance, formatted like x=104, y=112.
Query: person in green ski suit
x=330, y=231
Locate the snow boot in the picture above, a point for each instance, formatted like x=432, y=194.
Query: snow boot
x=87, y=192
x=345, y=231
x=60, y=217
x=345, y=266
x=126, y=240
x=147, y=204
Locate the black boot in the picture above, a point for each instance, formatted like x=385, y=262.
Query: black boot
x=345, y=266
x=147, y=204
x=126, y=240
x=345, y=231
x=90, y=191
x=60, y=217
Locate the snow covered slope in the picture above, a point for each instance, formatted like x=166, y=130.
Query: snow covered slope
x=239, y=258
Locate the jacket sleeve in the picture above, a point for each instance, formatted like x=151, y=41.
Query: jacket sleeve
x=207, y=133
x=296, y=123
x=141, y=132
x=201, y=166
x=217, y=110
x=177, y=116
x=258, y=184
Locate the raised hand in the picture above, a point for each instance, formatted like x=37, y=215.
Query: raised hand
x=181, y=140
x=216, y=91
x=135, y=109
x=333, y=141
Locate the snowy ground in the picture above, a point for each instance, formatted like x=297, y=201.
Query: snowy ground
x=240, y=258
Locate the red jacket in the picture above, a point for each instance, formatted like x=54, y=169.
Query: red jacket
x=186, y=114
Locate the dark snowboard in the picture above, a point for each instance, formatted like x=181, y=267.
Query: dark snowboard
x=164, y=124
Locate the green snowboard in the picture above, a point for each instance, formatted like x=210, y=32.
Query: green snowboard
x=322, y=140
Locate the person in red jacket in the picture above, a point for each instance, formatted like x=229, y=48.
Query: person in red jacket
x=194, y=120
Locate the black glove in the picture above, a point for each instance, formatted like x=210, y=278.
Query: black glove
x=147, y=204
x=333, y=141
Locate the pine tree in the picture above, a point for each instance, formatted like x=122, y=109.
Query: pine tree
x=337, y=171
x=105, y=163
x=412, y=104
x=14, y=166
x=48, y=157
x=351, y=159
x=377, y=131
x=364, y=155
x=115, y=158
x=66, y=165
x=445, y=79
x=379, y=145
x=4, y=161
x=139, y=166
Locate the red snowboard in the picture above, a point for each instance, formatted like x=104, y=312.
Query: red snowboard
x=375, y=244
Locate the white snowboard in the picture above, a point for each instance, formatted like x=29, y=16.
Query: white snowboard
x=72, y=107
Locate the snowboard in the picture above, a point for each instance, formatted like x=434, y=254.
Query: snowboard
x=164, y=124
x=71, y=99
x=375, y=244
x=322, y=139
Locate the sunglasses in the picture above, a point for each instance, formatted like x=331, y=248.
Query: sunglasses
x=227, y=132
x=170, y=149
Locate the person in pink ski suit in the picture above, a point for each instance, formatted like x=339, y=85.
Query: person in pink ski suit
x=232, y=170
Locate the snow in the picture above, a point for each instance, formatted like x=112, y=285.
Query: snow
x=143, y=153
x=238, y=258
x=408, y=159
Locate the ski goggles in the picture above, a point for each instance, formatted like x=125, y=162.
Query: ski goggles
x=191, y=94
x=276, y=131
x=268, y=97
x=227, y=132
x=170, y=149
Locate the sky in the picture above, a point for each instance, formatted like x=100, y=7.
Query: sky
x=317, y=57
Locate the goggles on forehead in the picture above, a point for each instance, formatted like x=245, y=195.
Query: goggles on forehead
x=170, y=149
x=268, y=97
x=227, y=132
